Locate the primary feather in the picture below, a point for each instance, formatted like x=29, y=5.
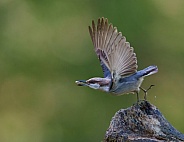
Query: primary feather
x=116, y=56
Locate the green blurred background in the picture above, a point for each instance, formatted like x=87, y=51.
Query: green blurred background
x=45, y=46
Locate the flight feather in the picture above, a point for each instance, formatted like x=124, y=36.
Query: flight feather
x=116, y=56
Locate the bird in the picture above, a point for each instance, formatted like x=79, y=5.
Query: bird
x=118, y=62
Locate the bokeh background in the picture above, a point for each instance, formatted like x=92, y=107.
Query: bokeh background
x=45, y=46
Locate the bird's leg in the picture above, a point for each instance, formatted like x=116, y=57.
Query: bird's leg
x=146, y=91
x=137, y=97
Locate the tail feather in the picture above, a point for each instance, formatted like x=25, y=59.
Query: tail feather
x=149, y=70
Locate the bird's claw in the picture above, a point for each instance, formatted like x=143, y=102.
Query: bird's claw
x=146, y=91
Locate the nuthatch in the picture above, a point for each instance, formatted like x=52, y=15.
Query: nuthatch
x=118, y=62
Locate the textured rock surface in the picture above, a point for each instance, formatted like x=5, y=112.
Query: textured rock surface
x=141, y=122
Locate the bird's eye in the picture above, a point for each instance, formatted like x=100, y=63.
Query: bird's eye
x=87, y=82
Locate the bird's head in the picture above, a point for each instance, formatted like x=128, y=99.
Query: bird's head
x=95, y=83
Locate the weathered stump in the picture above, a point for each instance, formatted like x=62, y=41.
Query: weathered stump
x=141, y=122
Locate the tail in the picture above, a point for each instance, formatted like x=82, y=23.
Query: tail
x=148, y=71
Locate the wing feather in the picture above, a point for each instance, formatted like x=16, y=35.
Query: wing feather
x=116, y=56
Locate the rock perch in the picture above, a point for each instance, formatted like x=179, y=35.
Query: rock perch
x=141, y=122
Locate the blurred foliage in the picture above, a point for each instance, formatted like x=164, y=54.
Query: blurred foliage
x=45, y=46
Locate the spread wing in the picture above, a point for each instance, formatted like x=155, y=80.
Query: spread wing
x=116, y=56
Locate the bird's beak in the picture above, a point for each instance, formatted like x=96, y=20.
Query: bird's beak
x=81, y=82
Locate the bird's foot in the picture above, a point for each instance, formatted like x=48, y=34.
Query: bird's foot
x=138, y=100
x=146, y=91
